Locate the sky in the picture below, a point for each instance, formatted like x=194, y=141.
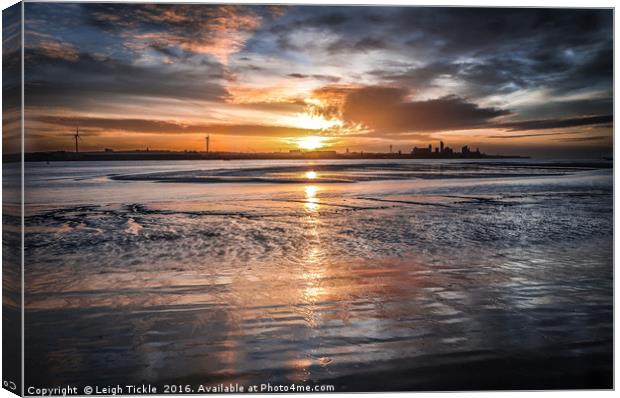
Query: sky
x=274, y=78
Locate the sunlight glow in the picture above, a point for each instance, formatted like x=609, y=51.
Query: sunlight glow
x=311, y=142
x=311, y=175
x=313, y=122
x=311, y=203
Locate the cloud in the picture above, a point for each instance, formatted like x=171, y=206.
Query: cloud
x=417, y=77
x=555, y=123
x=595, y=71
x=364, y=45
x=482, y=51
x=171, y=127
x=388, y=112
x=582, y=139
x=11, y=73
x=329, y=19
x=562, y=108
x=61, y=82
x=533, y=135
x=56, y=49
x=216, y=30
x=329, y=78
x=50, y=47
x=386, y=109
x=397, y=72
x=291, y=106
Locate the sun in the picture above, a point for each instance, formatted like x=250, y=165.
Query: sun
x=311, y=142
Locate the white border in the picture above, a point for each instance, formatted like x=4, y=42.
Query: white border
x=474, y=3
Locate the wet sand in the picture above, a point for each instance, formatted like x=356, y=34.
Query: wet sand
x=375, y=284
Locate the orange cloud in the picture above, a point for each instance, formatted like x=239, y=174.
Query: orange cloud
x=218, y=31
x=51, y=47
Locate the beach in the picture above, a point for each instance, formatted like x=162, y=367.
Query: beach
x=369, y=275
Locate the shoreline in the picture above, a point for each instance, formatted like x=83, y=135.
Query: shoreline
x=153, y=155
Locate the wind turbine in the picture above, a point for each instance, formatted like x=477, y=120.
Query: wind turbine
x=77, y=138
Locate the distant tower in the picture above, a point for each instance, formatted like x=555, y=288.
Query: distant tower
x=77, y=137
x=390, y=148
x=441, y=146
x=430, y=148
x=207, y=142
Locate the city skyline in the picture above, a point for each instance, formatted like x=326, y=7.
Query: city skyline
x=269, y=78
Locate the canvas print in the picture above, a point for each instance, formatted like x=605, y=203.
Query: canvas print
x=205, y=198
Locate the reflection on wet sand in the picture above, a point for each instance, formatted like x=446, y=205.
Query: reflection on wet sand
x=312, y=202
x=313, y=283
x=311, y=175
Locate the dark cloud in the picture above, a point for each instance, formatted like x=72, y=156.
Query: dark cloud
x=64, y=82
x=386, y=109
x=418, y=77
x=314, y=17
x=11, y=58
x=489, y=51
x=363, y=45
x=522, y=32
x=169, y=127
x=555, y=123
x=329, y=19
x=567, y=108
x=595, y=71
x=533, y=135
x=329, y=78
x=507, y=73
x=582, y=139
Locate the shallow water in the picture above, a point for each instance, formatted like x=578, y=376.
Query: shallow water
x=375, y=275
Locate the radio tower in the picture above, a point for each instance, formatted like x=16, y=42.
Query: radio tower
x=207, y=142
x=77, y=137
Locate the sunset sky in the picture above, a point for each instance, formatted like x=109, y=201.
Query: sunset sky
x=263, y=78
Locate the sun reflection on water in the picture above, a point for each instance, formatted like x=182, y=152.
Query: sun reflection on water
x=311, y=175
x=312, y=202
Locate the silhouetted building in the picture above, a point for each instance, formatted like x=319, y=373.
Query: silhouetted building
x=421, y=151
x=444, y=151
